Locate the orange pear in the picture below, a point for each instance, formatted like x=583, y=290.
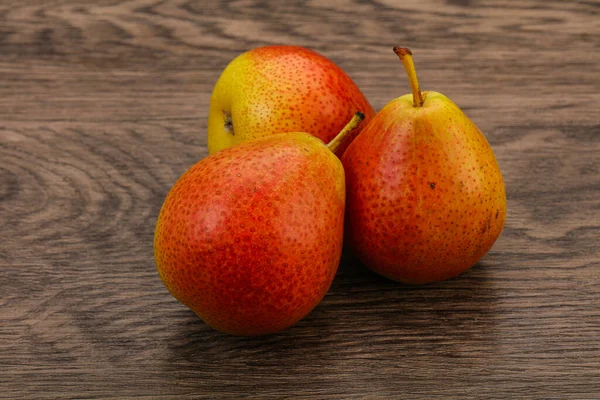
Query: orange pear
x=425, y=196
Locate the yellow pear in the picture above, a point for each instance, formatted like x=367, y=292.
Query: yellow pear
x=275, y=89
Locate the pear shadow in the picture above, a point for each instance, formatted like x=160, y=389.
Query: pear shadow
x=453, y=304
x=206, y=361
x=364, y=325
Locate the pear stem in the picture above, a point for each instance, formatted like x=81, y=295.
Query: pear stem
x=406, y=57
x=340, y=137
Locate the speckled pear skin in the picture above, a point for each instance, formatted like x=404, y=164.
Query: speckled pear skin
x=275, y=89
x=425, y=196
x=250, y=237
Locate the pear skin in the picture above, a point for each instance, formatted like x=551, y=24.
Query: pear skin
x=275, y=89
x=250, y=237
x=425, y=195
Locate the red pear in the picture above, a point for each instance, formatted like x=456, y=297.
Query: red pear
x=250, y=237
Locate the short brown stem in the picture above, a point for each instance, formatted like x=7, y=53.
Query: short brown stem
x=339, y=139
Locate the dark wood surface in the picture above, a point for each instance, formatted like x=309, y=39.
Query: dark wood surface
x=104, y=104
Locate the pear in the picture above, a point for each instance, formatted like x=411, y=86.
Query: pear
x=274, y=89
x=250, y=237
x=425, y=196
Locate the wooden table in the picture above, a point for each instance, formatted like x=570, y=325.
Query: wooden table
x=104, y=105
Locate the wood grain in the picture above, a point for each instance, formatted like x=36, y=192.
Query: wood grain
x=104, y=104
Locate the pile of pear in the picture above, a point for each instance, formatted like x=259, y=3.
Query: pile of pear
x=250, y=237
